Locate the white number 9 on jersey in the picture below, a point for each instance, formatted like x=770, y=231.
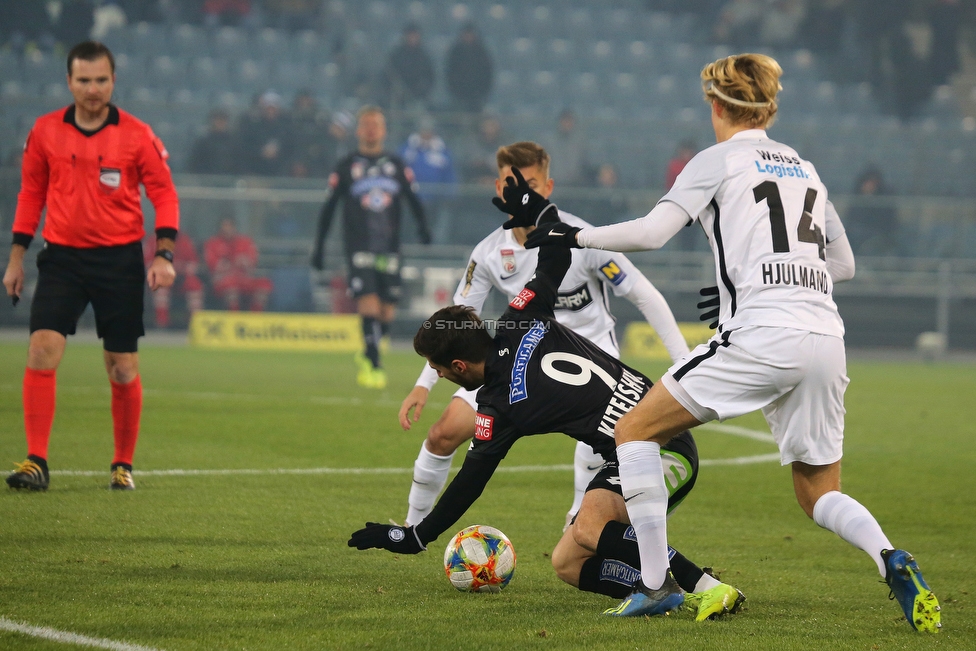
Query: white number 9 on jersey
x=587, y=368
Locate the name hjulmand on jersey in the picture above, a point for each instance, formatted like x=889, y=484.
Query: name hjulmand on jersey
x=628, y=393
x=791, y=274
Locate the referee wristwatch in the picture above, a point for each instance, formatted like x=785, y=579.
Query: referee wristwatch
x=165, y=254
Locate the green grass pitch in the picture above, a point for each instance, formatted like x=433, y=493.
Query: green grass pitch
x=259, y=561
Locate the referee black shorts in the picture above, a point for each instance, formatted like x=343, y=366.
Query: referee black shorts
x=111, y=278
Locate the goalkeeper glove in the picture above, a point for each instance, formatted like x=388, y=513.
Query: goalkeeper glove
x=399, y=540
x=525, y=205
x=709, y=303
x=558, y=234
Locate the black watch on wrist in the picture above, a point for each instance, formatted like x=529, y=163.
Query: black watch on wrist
x=166, y=254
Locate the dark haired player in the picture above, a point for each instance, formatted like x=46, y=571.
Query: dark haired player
x=85, y=164
x=371, y=183
x=538, y=376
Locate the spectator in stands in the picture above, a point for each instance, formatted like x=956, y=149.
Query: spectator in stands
x=75, y=22
x=608, y=206
x=469, y=71
x=478, y=150
x=428, y=156
x=872, y=224
x=568, y=148
x=292, y=15
x=25, y=24
x=218, y=150
x=409, y=74
x=945, y=16
x=313, y=148
x=685, y=152
x=219, y=13
x=109, y=16
x=265, y=139
x=187, y=265
x=232, y=259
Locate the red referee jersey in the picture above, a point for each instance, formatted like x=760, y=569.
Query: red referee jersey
x=90, y=181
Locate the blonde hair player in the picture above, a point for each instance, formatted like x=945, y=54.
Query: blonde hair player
x=779, y=247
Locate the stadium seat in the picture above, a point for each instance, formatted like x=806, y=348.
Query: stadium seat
x=189, y=40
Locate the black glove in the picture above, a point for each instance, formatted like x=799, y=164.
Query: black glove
x=709, y=303
x=525, y=205
x=558, y=234
x=399, y=540
x=425, y=236
x=317, y=261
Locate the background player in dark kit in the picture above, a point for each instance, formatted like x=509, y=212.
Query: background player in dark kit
x=371, y=183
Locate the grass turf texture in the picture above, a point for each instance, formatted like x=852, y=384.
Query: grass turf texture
x=261, y=562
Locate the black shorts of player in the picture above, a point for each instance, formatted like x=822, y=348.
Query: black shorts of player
x=375, y=273
x=111, y=278
x=680, y=474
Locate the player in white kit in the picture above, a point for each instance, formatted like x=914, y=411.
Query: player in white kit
x=778, y=246
x=500, y=261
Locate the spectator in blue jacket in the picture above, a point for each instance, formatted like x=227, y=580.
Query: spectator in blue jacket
x=432, y=163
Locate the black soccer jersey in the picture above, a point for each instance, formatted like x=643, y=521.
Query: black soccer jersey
x=539, y=377
x=371, y=189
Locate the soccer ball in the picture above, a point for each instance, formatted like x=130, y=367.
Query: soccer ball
x=479, y=559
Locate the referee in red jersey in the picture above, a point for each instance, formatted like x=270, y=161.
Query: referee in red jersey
x=85, y=164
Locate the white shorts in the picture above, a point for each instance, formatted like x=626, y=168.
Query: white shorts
x=796, y=378
x=607, y=343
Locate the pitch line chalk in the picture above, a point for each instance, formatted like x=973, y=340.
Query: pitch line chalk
x=731, y=430
x=67, y=637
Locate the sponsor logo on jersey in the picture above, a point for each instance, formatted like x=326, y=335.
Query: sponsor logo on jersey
x=357, y=169
x=630, y=534
x=778, y=158
x=517, y=389
x=782, y=170
x=618, y=572
x=522, y=299
x=110, y=177
x=483, y=426
x=389, y=168
x=630, y=389
x=397, y=534
x=376, y=200
x=575, y=299
x=613, y=272
x=782, y=273
x=508, y=260
x=468, y=278
x=370, y=183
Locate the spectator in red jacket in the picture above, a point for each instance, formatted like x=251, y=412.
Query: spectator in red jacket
x=685, y=152
x=232, y=259
x=186, y=263
x=85, y=164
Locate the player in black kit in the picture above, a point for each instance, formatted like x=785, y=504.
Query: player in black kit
x=371, y=183
x=538, y=376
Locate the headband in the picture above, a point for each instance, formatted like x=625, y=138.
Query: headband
x=731, y=100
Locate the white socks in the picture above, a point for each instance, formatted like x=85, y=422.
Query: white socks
x=586, y=463
x=706, y=582
x=646, y=497
x=847, y=518
x=429, y=476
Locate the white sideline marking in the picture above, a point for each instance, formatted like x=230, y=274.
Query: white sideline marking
x=66, y=637
x=191, y=472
